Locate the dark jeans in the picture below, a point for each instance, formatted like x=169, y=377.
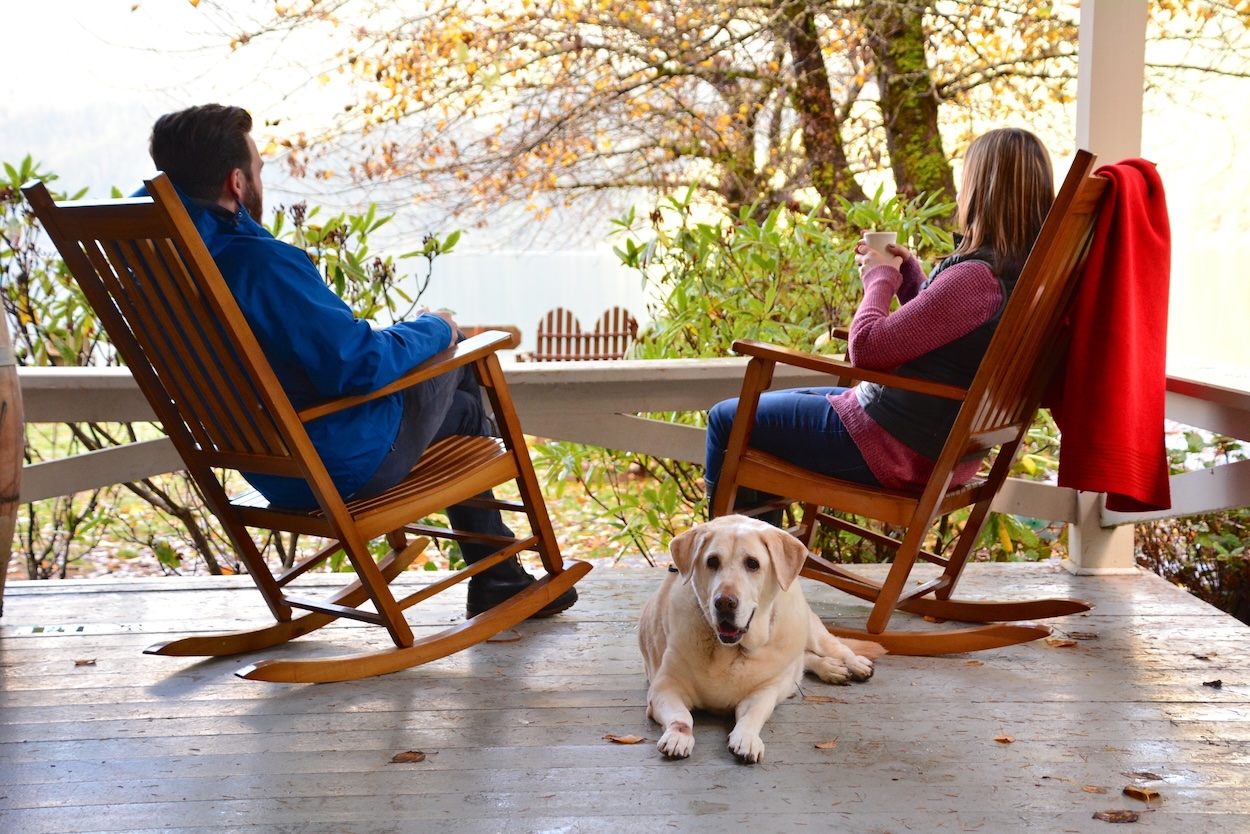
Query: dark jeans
x=799, y=426
x=440, y=407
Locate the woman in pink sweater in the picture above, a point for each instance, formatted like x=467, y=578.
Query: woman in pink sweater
x=940, y=331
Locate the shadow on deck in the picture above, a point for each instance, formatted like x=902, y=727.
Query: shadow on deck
x=95, y=736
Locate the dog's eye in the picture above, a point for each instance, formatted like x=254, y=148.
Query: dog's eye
x=713, y=562
x=752, y=564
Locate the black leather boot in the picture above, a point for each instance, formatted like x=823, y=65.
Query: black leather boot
x=508, y=578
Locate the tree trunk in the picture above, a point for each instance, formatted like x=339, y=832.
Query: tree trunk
x=822, y=137
x=909, y=102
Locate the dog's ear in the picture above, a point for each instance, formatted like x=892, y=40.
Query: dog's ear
x=683, y=549
x=788, y=554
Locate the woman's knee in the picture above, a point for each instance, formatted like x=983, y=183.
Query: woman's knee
x=720, y=419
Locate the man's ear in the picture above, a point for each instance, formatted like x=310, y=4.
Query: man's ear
x=233, y=189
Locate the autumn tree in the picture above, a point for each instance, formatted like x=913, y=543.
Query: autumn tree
x=475, y=105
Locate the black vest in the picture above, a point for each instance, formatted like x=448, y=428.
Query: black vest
x=920, y=421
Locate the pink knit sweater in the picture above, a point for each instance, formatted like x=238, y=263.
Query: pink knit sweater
x=962, y=298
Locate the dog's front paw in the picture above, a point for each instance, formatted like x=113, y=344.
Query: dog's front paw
x=748, y=747
x=860, y=668
x=829, y=669
x=677, y=741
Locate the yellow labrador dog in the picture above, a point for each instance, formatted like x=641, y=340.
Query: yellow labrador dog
x=730, y=631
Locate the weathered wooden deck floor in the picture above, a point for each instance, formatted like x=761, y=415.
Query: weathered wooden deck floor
x=95, y=736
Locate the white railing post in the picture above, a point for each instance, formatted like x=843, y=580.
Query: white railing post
x=1111, y=77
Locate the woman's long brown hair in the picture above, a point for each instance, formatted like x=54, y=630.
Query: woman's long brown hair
x=1007, y=189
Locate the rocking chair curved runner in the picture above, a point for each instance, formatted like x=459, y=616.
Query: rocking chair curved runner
x=997, y=410
x=146, y=272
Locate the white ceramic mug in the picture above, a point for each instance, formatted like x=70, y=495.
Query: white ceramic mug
x=880, y=240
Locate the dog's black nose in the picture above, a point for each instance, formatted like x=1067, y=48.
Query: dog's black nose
x=725, y=603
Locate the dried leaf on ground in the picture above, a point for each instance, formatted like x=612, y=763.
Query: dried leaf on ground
x=1060, y=642
x=1004, y=739
x=974, y=663
x=409, y=757
x=1215, y=684
x=508, y=636
x=1145, y=775
x=1093, y=789
x=1117, y=816
x=1144, y=794
x=90, y=661
x=824, y=699
x=826, y=745
x=614, y=738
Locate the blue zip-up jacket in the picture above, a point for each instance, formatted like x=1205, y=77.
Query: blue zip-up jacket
x=317, y=347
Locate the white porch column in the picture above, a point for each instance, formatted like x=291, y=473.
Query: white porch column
x=1110, y=84
x=1111, y=78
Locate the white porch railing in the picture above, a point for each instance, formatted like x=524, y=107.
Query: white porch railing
x=594, y=402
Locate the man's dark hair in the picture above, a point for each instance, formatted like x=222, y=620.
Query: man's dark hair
x=199, y=147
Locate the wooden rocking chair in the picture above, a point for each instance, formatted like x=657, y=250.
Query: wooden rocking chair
x=997, y=409
x=145, y=270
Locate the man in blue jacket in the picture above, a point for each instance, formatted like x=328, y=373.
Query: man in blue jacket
x=320, y=350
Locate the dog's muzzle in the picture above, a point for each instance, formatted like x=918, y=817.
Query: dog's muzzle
x=727, y=630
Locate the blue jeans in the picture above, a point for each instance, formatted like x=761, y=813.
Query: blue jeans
x=799, y=426
x=446, y=405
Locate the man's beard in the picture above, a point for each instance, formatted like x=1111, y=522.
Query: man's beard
x=251, y=200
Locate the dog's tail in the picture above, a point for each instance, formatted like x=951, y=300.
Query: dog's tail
x=864, y=648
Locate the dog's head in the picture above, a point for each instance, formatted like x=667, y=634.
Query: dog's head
x=736, y=565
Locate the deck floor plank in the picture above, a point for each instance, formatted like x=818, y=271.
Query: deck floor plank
x=514, y=731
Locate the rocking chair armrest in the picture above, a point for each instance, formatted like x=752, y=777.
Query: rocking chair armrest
x=839, y=368
x=470, y=350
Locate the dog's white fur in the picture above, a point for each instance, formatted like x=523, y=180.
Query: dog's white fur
x=731, y=631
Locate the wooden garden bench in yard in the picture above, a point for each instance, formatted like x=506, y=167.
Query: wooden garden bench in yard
x=998, y=408
x=560, y=336
x=146, y=272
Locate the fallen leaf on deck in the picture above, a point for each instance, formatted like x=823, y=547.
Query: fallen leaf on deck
x=823, y=699
x=508, y=636
x=1206, y=656
x=1093, y=789
x=410, y=757
x=1117, y=816
x=1144, y=794
x=1083, y=635
x=974, y=663
x=87, y=662
x=1216, y=684
x=827, y=745
x=1144, y=774
x=624, y=739
x=1060, y=642
x=1004, y=739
